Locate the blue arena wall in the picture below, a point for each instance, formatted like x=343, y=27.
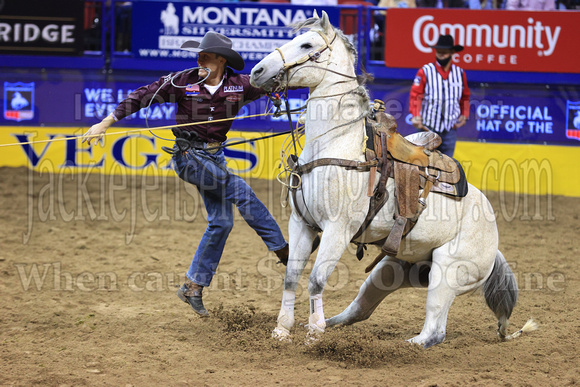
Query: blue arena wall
x=510, y=111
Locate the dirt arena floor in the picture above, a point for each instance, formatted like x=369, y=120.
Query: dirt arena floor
x=89, y=267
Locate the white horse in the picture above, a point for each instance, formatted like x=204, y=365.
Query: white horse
x=453, y=248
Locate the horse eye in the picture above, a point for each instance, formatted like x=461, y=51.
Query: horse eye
x=306, y=46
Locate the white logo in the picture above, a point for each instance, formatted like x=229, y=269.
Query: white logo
x=233, y=89
x=426, y=32
x=170, y=20
x=18, y=101
x=242, y=16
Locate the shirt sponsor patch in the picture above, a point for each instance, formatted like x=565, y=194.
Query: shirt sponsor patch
x=417, y=81
x=234, y=98
x=192, y=89
x=234, y=89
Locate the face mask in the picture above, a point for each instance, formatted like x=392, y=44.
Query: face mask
x=443, y=62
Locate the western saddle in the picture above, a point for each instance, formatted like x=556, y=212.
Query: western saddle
x=414, y=164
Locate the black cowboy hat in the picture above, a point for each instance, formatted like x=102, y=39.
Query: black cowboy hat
x=216, y=43
x=446, y=42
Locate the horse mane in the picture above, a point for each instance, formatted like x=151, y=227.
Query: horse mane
x=315, y=23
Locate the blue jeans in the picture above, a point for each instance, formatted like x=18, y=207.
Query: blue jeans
x=220, y=190
x=448, y=140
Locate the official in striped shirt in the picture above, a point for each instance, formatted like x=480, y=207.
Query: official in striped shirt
x=439, y=98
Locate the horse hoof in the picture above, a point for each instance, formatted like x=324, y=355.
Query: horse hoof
x=314, y=334
x=415, y=340
x=309, y=340
x=429, y=341
x=281, y=334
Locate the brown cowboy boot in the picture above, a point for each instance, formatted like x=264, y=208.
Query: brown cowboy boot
x=282, y=254
x=190, y=293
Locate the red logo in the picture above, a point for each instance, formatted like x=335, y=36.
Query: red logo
x=493, y=40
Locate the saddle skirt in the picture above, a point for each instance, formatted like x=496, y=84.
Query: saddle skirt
x=417, y=169
x=414, y=157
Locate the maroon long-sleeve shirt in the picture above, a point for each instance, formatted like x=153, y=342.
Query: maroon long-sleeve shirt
x=195, y=103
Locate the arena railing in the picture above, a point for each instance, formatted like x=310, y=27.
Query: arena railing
x=108, y=46
x=364, y=24
x=122, y=58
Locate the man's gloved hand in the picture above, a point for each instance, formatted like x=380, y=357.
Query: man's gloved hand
x=185, y=134
x=177, y=132
x=97, y=131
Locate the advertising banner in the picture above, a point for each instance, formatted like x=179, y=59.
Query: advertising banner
x=31, y=100
x=126, y=151
x=533, y=169
x=502, y=113
x=493, y=40
x=255, y=29
x=40, y=27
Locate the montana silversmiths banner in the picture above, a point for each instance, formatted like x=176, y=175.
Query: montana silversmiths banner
x=41, y=27
x=160, y=28
x=494, y=40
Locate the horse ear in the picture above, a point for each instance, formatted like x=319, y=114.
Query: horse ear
x=315, y=15
x=325, y=23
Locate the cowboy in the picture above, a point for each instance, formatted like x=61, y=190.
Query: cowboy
x=211, y=92
x=439, y=98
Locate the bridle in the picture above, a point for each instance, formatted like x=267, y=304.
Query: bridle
x=297, y=170
x=311, y=56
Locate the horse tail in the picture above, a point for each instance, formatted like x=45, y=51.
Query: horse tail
x=501, y=294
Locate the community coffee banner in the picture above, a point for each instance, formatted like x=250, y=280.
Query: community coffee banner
x=493, y=40
x=41, y=27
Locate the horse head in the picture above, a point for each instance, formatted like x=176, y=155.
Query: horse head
x=302, y=62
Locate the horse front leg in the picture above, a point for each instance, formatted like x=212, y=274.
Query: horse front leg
x=332, y=246
x=300, y=244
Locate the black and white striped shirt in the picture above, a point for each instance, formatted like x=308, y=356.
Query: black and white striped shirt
x=441, y=100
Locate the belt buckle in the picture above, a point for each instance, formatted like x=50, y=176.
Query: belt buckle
x=212, y=145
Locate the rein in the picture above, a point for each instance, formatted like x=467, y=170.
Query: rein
x=284, y=71
x=296, y=170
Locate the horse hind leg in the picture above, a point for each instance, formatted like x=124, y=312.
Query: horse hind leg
x=448, y=278
x=388, y=276
x=439, y=299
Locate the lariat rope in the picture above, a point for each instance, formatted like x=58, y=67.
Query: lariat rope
x=148, y=129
